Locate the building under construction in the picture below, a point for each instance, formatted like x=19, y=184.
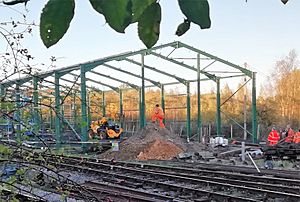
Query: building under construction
x=48, y=118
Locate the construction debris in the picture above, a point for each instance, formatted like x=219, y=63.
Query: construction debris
x=159, y=150
x=151, y=143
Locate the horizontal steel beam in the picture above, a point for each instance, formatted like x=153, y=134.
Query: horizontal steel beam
x=181, y=80
x=210, y=76
x=244, y=70
x=158, y=84
x=115, y=79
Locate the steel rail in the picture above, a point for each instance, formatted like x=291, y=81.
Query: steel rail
x=207, y=168
x=202, y=192
x=197, y=179
x=125, y=192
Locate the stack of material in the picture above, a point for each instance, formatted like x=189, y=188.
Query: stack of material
x=151, y=143
x=159, y=150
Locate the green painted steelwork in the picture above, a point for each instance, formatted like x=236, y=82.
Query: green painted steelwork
x=57, y=111
x=86, y=67
x=244, y=70
x=115, y=79
x=2, y=90
x=89, y=108
x=2, y=93
x=199, y=120
x=74, y=110
x=18, y=113
x=254, y=113
x=210, y=76
x=242, y=86
x=181, y=80
x=121, y=107
x=123, y=56
x=35, y=105
x=77, y=84
x=188, y=111
x=142, y=98
x=218, y=114
x=103, y=104
x=51, y=115
x=162, y=97
x=84, y=118
x=100, y=83
x=131, y=74
x=140, y=105
x=62, y=114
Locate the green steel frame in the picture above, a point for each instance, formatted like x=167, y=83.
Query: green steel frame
x=87, y=68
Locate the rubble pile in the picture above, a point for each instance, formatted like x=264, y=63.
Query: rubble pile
x=151, y=143
x=159, y=150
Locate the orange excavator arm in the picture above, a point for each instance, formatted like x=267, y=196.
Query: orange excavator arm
x=113, y=134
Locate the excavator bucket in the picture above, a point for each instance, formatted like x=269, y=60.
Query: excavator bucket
x=113, y=134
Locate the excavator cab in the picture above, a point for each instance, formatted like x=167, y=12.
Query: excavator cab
x=104, y=129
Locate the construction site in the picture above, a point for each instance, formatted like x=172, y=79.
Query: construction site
x=90, y=132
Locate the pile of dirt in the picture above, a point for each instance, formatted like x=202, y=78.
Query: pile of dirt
x=151, y=143
x=159, y=150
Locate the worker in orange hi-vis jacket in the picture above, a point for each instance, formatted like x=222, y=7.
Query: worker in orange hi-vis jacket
x=297, y=137
x=273, y=137
x=158, y=113
x=290, y=135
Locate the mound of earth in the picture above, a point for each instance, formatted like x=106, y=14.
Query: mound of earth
x=151, y=142
x=159, y=150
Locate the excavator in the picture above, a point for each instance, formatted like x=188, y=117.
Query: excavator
x=104, y=129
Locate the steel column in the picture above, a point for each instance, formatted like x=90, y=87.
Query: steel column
x=103, y=104
x=254, y=114
x=84, y=118
x=2, y=91
x=36, y=119
x=162, y=96
x=142, y=108
x=188, y=112
x=51, y=115
x=18, y=114
x=199, y=120
x=245, y=109
x=140, y=104
x=57, y=111
x=89, y=108
x=218, y=114
x=74, y=108
x=62, y=112
x=121, y=107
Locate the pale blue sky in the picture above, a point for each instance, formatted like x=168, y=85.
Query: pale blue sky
x=257, y=32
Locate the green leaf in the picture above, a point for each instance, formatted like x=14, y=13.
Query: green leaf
x=196, y=11
x=21, y=171
x=138, y=7
x=12, y=179
x=148, y=25
x=117, y=14
x=5, y=150
x=55, y=20
x=183, y=28
x=97, y=5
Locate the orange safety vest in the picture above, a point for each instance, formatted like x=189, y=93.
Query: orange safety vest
x=297, y=138
x=273, y=137
x=290, y=136
x=158, y=111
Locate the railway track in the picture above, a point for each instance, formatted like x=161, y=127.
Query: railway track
x=9, y=195
x=149, y=182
